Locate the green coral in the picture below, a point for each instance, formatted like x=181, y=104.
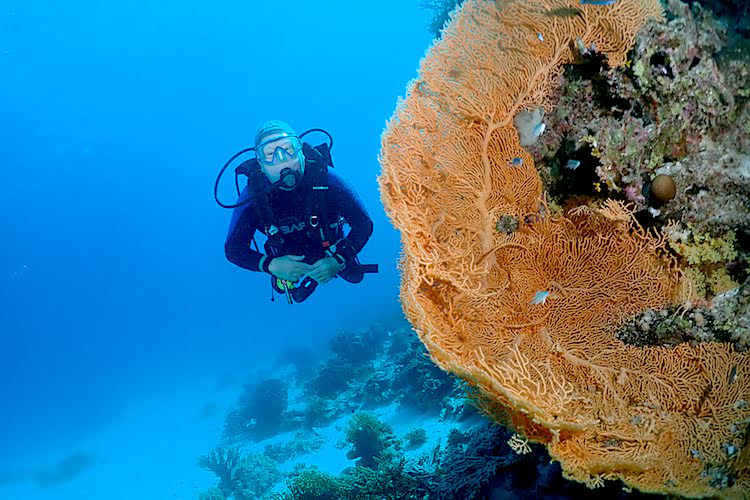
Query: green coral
x=368, y=436
x=639, y=69
x=711, y=282
x=311, y=484
x=245, y=478
x=393, y=479
x=256, y=474
x=720, y=281
x=701, y=249
x=705, y=258
x=416, y=437
x=222, y=462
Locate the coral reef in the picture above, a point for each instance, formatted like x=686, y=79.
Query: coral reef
x=632, y=123
x=319, y=412
x=357, y=348
x=462, y=450
x=259, y=411
x=415, y=438
x=632, y=131
x=311, y=484
x=353, y=351
x=222, y=462
x=417, y=382
x=242, y=478
x=471, y=462
x=332, y=378
x=397, y=368
x=369, y=437
x=302, y=444
x=474, y=464
x=393, y=479
x=211, y=494
x=529, y=317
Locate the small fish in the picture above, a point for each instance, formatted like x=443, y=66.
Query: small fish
x=540, y=37
x=572, y=164
x=733, y=375
x=582, y=47
x=563, y=12
x=539, y=297
x=516, y=162
x=597, y=2
x=539, y=129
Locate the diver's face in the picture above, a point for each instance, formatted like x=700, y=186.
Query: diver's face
x=278, y=154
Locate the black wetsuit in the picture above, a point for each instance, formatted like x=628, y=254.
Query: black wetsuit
x=343, y=206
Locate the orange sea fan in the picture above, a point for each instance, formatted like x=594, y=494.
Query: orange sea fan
x=554, y=370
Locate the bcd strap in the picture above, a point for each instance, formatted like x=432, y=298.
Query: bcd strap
x=318, y=228
x=256, y=187
x=317, y=161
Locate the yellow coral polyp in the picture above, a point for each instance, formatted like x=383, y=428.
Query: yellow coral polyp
x=719, y=281
x=556, y=372
x=707, y=249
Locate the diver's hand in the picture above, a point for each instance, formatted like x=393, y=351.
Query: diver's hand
x=289, y=267
x=324, y=270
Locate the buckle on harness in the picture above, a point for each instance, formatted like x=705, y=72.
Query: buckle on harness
x=314, y=221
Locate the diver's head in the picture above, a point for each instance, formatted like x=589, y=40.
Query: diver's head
x=279, y=153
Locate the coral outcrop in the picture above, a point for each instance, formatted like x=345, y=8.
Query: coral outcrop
x=528, y=314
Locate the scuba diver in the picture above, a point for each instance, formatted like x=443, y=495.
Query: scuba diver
x=301, y=206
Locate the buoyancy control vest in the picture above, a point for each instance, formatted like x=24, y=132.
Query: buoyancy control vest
x=318, y=228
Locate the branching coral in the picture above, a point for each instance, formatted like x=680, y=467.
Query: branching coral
x=553, y=369
x=369, y=437
x=312, y=484
x=243, y=478
x=259, y=411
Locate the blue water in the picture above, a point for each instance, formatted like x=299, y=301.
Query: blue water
x=114, y=120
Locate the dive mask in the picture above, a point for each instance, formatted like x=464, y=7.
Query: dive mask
x=278, y=150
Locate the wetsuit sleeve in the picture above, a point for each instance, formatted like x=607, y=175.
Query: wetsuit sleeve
x=237, y=247
x=354, y=212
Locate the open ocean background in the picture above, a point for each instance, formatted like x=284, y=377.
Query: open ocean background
x=118, y=310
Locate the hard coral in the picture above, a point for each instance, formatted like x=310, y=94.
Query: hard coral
x=259, y=411
x=242, y=478
x=679, y=107
x=368, y=437
x=312, y=484
x=467, y=468
x=714, y=189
